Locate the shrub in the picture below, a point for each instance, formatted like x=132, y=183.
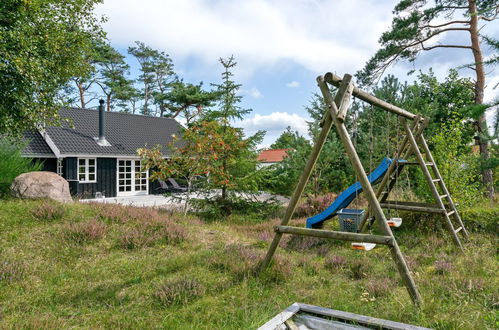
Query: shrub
x=359, y=269
x=279, y=271
x=171, y=232
x=123, y=214
x=442, y=266
x=314, y=205
x=12, y=164
x=304, y=243
x=10, y=271
x=213, y=209
x=323, y=250
x=335, y=263
x=82, y=232
x=149, y=232
x=379, y=287
x=237, y=259
x=179, y=291
x=457, y=165
x=49, y=211
x=135, y=238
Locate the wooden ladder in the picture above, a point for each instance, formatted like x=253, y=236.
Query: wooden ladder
x=435, y=181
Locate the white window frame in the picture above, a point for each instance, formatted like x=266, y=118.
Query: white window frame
x=87, y=167
x=59, y=166
x=133, y=177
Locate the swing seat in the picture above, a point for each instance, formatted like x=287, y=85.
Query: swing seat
x=363, y=246
x=394, y=222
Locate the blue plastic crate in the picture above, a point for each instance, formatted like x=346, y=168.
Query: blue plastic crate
x=350, y=219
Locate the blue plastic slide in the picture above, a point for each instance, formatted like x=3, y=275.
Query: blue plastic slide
x=345, y=198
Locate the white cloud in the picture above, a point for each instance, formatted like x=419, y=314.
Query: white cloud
x=274, y=124
x=255, y=93
x=259, y=33
x=293, y=84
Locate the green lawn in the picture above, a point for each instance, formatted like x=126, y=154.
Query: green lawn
x=95, y=266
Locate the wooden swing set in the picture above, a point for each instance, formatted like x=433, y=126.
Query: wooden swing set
x=413, y=144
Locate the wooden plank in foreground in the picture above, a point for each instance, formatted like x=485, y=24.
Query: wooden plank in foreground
x=333, y=318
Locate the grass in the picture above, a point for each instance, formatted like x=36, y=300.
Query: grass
x=105, y=266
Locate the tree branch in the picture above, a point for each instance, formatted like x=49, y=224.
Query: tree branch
x=490, y=19
x=445, y=24
x=419, y=42
x=445, y=46
x=454, y=7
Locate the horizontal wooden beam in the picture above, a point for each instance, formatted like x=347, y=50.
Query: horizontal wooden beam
x=412, y=203
x=339, y=235
x=335, y=80
x=426, y=208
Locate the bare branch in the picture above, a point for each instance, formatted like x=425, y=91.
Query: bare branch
x=445, y=46
x=454, y=7
x=419, y=42
x=445, y=24
x=490, y=19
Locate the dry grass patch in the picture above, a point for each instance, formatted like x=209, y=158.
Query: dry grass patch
x=179, y=291
x=49, y=211
x=335, y=263
x=379, y=287
x=10, y=271
x=82, y=232
x=149, y=232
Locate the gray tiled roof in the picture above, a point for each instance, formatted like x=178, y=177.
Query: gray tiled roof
x=125, y=132
x=36, y=145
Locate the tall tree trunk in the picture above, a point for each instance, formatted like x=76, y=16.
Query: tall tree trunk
x=108, y=100
x=146, y=100
x=224, y=187
x=481, y=126
x=81, y=90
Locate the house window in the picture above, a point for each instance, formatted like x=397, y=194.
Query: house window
x=59, y=166
x=86, y=169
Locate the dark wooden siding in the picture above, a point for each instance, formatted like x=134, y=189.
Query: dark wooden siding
x=106, y=178
x=70, y=168
x=69, y=172
x=48, y=164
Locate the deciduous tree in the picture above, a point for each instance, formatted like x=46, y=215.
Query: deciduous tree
x=43, y=44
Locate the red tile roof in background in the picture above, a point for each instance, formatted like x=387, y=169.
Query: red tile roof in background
x=272, y=155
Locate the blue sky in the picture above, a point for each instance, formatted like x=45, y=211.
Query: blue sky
x=280, y=46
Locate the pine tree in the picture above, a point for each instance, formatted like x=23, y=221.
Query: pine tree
x=112, y=74
x=228, y=108
x=145, y=56
x=235, y=162
x=415, y=28
x=188, y=100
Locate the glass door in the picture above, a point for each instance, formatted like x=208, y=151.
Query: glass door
x=131, y=180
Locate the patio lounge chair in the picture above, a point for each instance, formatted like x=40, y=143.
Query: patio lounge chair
x=170, y=186
x=176, y=186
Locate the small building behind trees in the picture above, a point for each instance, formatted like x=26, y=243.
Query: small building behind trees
x=271, y=157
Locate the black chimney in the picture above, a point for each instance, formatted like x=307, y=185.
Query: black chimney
x=102, y=136
x=101, y=121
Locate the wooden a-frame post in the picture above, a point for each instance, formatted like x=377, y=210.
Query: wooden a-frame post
x=335, y=107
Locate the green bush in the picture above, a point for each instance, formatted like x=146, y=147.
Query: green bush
x=12, y=164
x=238, y=208
x=479, y=218
x=457, y=165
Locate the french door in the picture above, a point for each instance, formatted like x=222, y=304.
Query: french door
x=131, y=179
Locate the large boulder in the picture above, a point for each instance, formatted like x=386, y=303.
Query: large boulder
x=41, y=185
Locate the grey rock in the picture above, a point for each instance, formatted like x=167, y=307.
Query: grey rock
x=34, y=185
